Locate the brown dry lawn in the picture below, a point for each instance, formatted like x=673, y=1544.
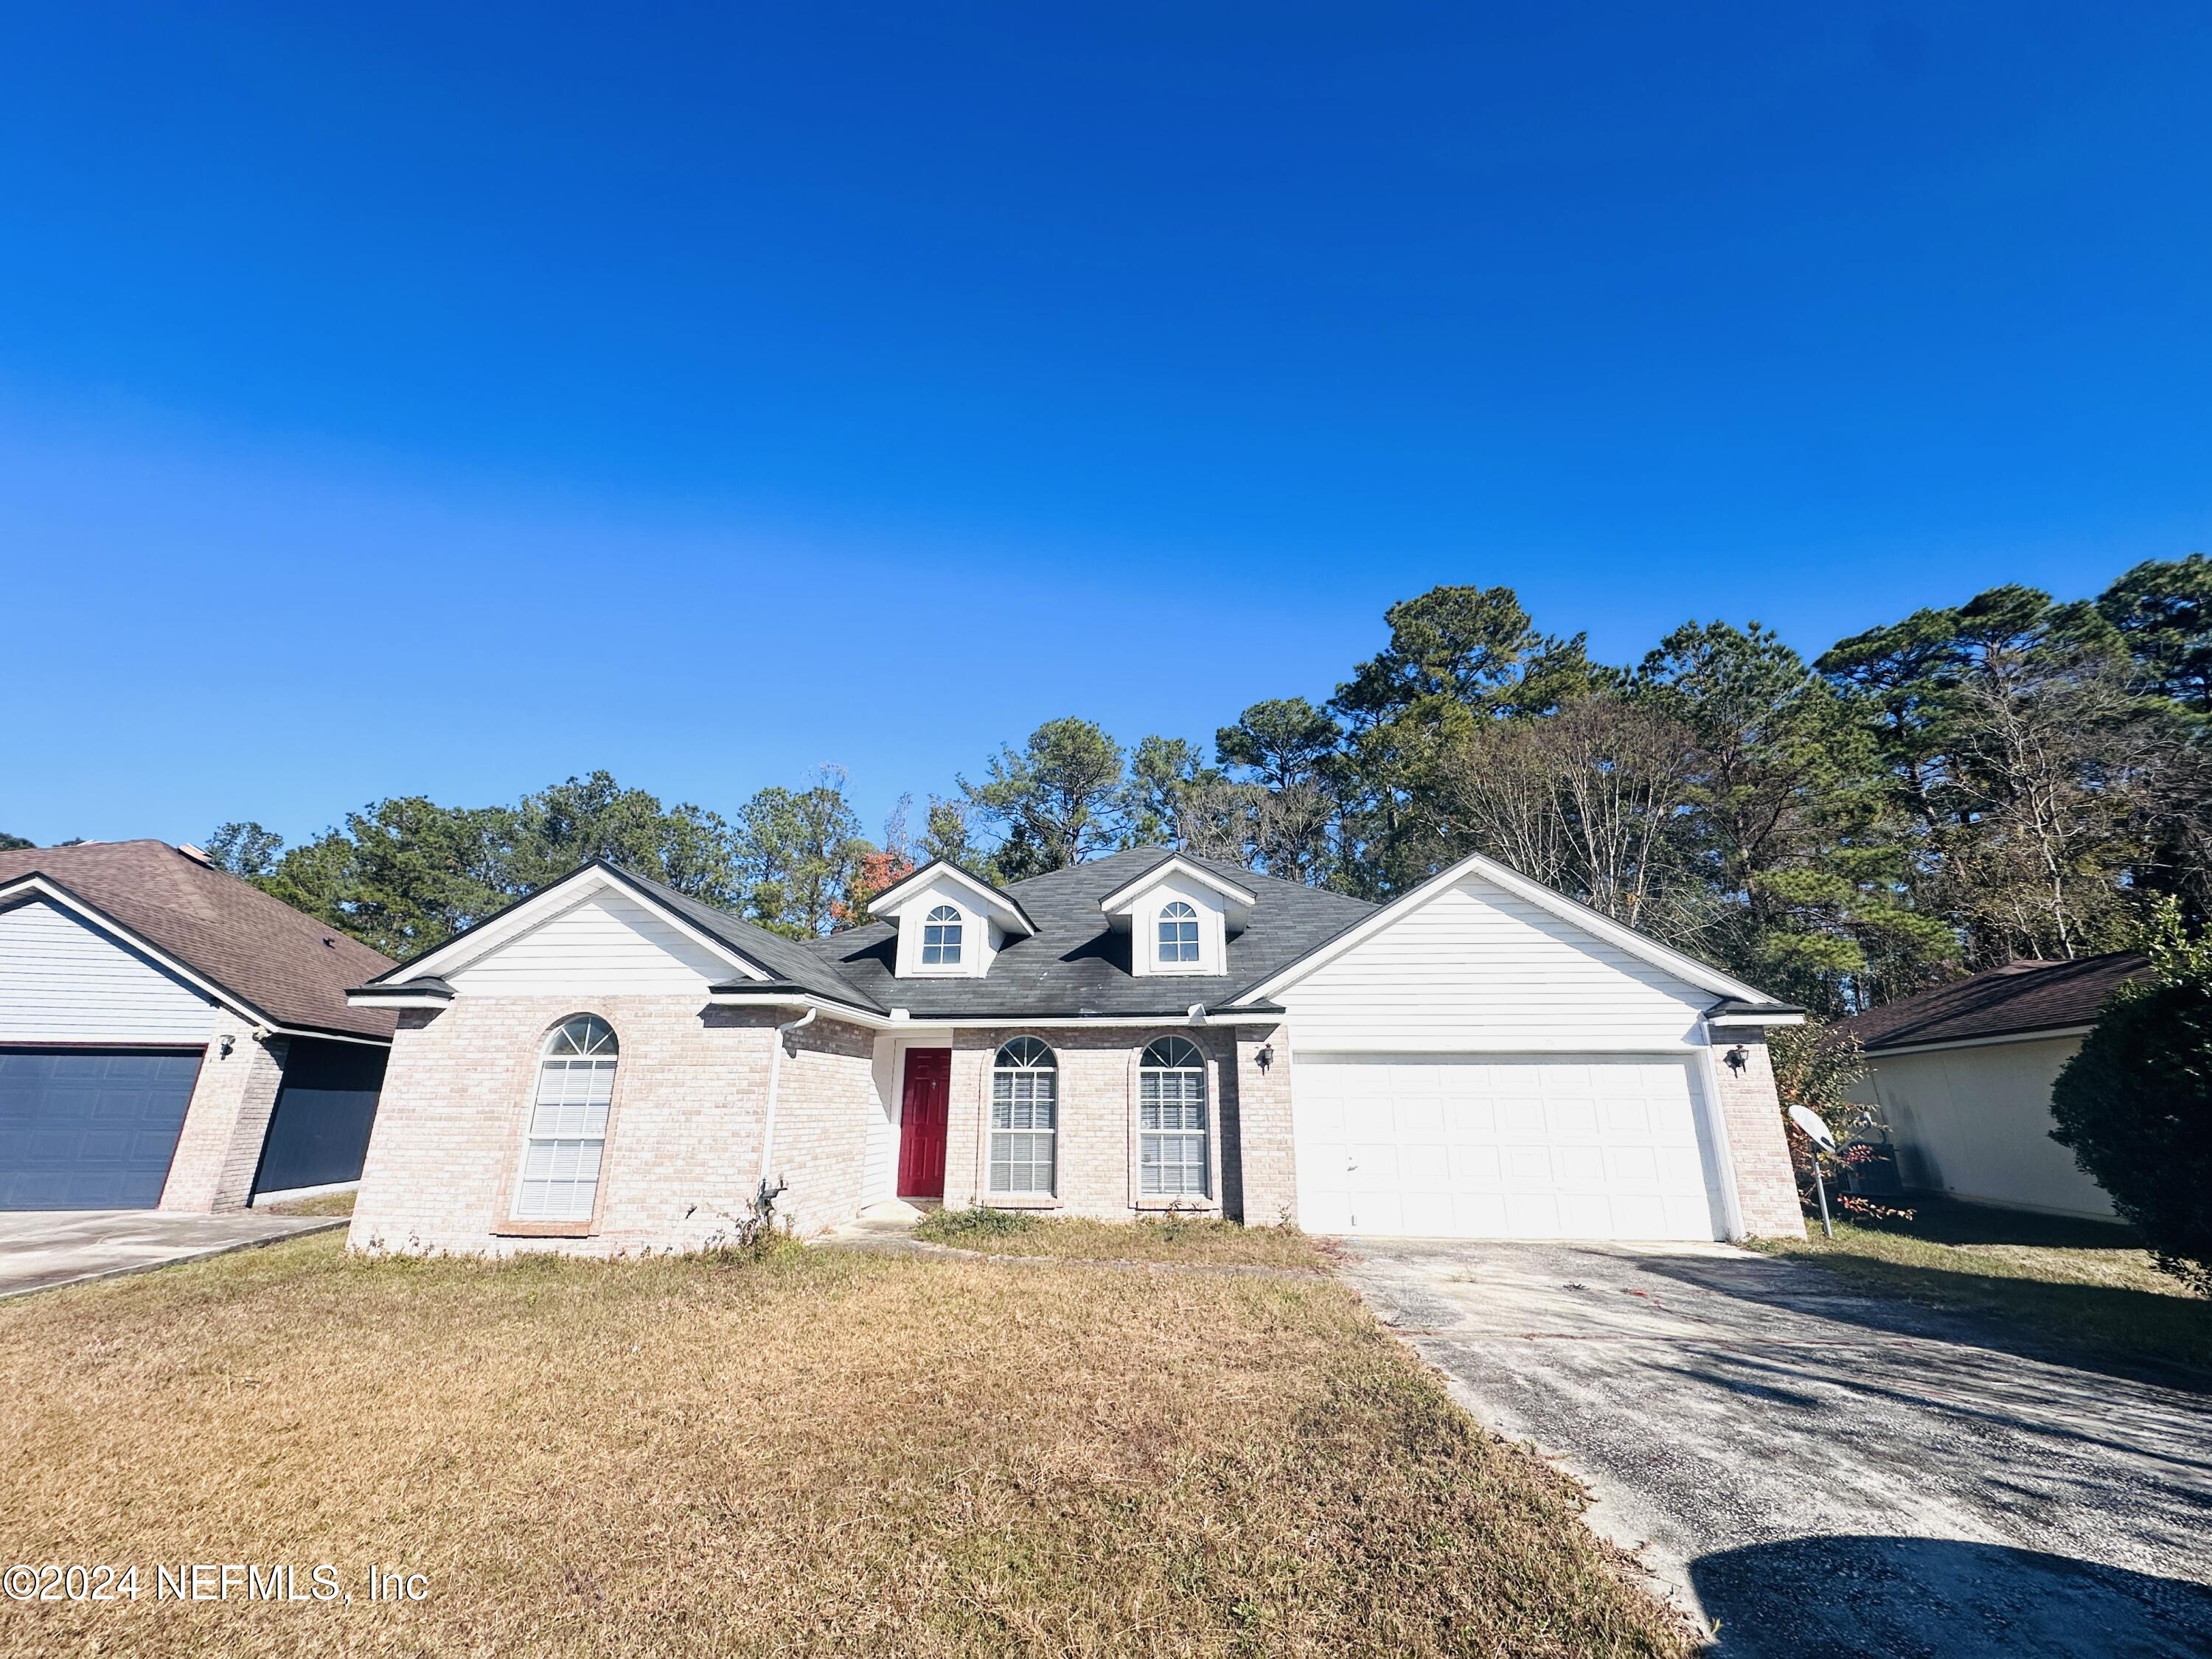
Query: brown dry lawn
x=823, y=1453
x=1188, y=1239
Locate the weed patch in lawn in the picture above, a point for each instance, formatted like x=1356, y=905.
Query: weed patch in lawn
x=320, y=1203
x=1206, y=1240
x=824, y=1452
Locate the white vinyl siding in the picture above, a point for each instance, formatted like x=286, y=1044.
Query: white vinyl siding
x=63, y=979
x=1478, y=967
x=606, y=944
x=1489, y=1146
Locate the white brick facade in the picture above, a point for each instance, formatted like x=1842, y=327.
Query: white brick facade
x=1097, y=1119
x=220, y=1146
x=684, y=1134
x=1765, y=1187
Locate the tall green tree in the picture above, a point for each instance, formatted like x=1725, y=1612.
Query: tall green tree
x=1057, y=800
x=2162, y=611
x=798, y=851
x=9, y=843
x=1168, y=782
x=246, y=849
x=2032, y=770
x=1784, y=815
x=566, y=824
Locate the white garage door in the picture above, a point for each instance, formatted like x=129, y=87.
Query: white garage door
x=1572, y=1147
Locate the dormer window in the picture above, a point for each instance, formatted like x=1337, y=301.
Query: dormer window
x=1178, y=933
x=940, y=937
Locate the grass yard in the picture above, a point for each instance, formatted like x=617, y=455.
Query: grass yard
x=1198, y=1239
x=2089, y=1283
x=826, y=1452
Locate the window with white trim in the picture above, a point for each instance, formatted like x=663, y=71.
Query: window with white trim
x=940, y=937
x=1172, y=1120
x=1178, y=933
x=560, y=1177
x=1024, y=1120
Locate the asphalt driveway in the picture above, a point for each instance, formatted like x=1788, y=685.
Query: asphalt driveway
x=42, y=1248
x=1815, y=1470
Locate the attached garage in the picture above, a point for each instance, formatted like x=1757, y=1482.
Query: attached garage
x=90, y=1129
x=157, y=1016
x=1490, y=1147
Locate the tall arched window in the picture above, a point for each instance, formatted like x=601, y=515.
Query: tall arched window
x=941, y=937
x=1178, y=933
x=1172, y=1120
x=560, y=1177
x=1025, y=1119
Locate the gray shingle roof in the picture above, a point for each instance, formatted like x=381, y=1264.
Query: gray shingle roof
x=1075, y=963
x=794, y=961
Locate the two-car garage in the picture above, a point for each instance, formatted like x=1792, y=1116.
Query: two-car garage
x=1482, y=1145
x=91, y=1128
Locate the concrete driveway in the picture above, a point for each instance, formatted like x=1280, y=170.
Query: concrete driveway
x=1817, y=1471
x=42, y=1248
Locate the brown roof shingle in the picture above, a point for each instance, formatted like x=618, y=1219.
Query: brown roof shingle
x=2016, y=1000
x=292, y=968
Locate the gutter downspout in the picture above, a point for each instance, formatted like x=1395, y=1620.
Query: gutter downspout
x=774, y=1074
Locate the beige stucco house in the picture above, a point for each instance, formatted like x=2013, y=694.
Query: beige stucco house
x=610, y=1065
x=1962, y=1075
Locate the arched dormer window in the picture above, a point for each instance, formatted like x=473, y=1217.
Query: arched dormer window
x=559, y=1178
x=1024, y=1120
x=1178, y=933
x=940, y=937
x=1171, y=1161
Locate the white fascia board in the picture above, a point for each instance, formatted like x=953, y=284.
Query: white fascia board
x=416, y=1000
x=824, y=1006
x=893, y=1022
x=1875, y=1056
x=1687, y=968
x=1126, y=895
x=1723, y=1022
x=548, y=901
x=1001, y=908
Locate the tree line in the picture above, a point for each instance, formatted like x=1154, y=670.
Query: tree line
x=2014, y=776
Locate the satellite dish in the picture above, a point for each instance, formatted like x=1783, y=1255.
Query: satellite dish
x=1814, y=1129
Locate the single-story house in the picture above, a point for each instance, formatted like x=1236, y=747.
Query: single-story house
x=610, y=1065
x=1963, y=1076
x=172, y=1038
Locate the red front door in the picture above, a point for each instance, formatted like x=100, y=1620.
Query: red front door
x=921, y=1123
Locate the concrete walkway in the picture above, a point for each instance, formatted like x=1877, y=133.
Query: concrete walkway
x=1818, y=1471
x=42, y=1248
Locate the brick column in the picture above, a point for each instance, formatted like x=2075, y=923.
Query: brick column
x=1766, y=1186
x=227, y=1120
x=1269, y=1181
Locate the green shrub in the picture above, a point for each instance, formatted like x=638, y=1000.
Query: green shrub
x=950, y=1226
x=2135, y=1105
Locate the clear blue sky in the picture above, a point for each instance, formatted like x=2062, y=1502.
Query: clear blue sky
x=451, y=398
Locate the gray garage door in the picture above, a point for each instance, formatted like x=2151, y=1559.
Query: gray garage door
x=91, y=1128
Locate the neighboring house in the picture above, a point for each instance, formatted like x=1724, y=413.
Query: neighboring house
x=612, y=1066
x=1963, y=1076
x=172, y=1037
